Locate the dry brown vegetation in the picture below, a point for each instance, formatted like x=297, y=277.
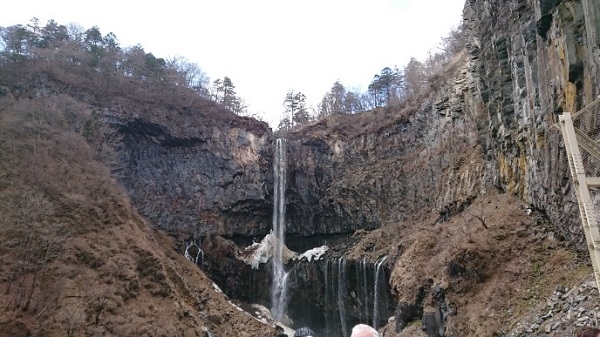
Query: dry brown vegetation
x=496, y=262
x=180, y=110
x=76, y=258
x=127, y=83
x=493, y=274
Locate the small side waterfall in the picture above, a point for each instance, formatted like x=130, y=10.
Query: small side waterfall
x=335, y=297
x=189, y=254
x=279, y=280
x=329, y=295
x=376, y=292
x=354, y=291
x=364, y=288
x=342, y=290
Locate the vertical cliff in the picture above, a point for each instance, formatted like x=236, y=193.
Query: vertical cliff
x=423, y=176
x=532, y=60
x=486, y=120
x=195, y=174
x=461, y=194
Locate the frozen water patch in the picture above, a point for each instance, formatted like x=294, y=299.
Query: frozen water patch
x=261, y=252
x=313, y=254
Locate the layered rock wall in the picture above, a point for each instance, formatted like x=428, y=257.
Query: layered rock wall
x=535, y=59
x=213, y=181
x=486, y=120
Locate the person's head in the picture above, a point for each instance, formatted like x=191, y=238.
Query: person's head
x=304, y=332
x=363, y=330
x=588, y=331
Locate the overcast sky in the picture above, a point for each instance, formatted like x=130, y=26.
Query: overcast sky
x=266, y=47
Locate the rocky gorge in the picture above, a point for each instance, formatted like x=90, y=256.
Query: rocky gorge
x=485, y=124
x=450, y=214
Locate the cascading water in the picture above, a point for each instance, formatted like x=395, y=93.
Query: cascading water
x=190, y=256
x=364, y=285
x=354, y=291
x=342, y=282
x=328, y=296
x=279, y=275
x=376, y=292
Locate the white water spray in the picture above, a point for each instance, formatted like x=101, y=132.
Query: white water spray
x=279, y=280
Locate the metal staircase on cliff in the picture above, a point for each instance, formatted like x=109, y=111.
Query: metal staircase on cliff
x=581, y=133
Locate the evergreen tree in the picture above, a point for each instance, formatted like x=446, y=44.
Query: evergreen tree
x=385, y=87
x=338, y=94
x=229, y=94
x=301, y=116
x=15, y=42
x=296, y=111
x=290, y=105
x=223, y=91
x=53, y=34
x=94, y=44
x=352, y=103
x=334, y=101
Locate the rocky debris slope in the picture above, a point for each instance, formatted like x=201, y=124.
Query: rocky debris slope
x=476, y=274
x=568, y=309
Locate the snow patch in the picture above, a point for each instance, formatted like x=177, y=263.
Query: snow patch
x=216, y=288
x=261, y=252
x=314, y=253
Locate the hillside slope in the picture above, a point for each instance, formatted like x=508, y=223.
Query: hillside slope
x=461, y=194
x=77, y=258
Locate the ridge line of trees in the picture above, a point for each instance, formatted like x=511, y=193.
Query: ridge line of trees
x=75, y=50
x=72, y=50
x=391, y=87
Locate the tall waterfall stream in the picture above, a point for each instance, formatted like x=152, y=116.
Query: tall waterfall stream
x=329, y=293
x=279, y=281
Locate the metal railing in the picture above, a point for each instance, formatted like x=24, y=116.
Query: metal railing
x=581, y=133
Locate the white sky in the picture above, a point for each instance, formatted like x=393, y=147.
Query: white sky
x=266, y=47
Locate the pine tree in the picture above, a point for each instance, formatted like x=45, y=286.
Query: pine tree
x=296, y=111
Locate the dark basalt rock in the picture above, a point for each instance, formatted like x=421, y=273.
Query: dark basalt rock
x=216, y=182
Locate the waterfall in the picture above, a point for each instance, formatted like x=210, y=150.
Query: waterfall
x=199, y=253
x=342, y=294
x=365, y=288
x=376, y=292
x=327, y=293
x=329, y=296
x=279, y=280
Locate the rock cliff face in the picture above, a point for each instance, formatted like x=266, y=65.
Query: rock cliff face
x=207, y=179
x=486, y=121
x=531, y=60
x=485, y=125
x=77, y=258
